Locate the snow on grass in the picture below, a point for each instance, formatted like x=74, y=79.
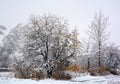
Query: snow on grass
x=29, y=81
x=6, y=74
x=7, y=78
x=90, y=80
x=113, y=79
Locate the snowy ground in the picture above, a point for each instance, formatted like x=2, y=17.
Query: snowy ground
x=7, y=78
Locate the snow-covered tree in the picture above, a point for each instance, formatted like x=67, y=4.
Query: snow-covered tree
x=3, y=54
x=76, y=44
x=13, y=43
x=49, y=43
x=2, y=28
x=44, y=42
x=97, y=32
x=4, y=59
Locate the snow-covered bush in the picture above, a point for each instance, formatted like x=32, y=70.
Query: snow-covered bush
x=113, y=59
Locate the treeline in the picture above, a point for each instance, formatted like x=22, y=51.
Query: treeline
x=44, y=48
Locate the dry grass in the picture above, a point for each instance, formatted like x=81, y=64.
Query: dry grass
x=76, y=68
x=99, y=71
x=61, y=76
x=29, y=73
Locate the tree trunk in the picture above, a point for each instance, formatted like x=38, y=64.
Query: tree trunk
x=49, y=73
x=99, y=55
x=88, y=64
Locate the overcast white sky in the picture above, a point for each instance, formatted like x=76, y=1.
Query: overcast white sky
x=78, y=12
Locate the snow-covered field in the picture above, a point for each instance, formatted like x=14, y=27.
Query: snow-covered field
x=7, y=78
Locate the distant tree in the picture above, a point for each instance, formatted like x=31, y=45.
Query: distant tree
x=12, y=43
x=97, y=32
x=2, y=28
x=76, y=44
x=3, y=54
x=4, y=59
x=14, y=39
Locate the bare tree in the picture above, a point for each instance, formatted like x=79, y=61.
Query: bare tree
x=97, y=32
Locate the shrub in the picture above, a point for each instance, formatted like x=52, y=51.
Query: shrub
x=60, y=75
x=37, y=75
x=28, y=72
x=99, y=71
x=76, y=68
x=23, y=72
